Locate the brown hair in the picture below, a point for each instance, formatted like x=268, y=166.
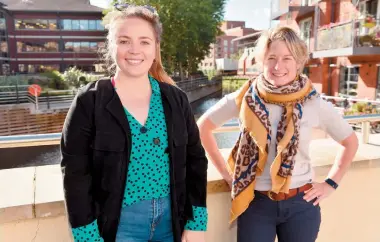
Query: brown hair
x=111, y=21
x=295, y=44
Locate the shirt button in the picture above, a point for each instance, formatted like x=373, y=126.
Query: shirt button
x=143, y=130
x=156, y=141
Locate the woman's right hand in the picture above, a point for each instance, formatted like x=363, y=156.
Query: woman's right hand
x=228, y=179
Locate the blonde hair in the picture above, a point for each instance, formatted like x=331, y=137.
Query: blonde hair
x=111, y=21
x=295, y=44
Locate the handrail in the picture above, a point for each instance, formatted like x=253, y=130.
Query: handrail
x=229, y=127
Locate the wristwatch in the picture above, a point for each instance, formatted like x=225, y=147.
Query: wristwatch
x=331, y=183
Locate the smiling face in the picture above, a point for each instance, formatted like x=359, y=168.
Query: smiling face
x=280, y=66
x=135, y=47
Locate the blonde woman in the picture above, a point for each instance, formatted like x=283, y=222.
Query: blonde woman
x=269, y=170
x=133, y=166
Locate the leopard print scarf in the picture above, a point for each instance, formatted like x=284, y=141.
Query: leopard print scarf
x=249, y=155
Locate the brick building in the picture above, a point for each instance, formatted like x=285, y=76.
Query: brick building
x=344, y=43
x=224, y=47
x=40, y=35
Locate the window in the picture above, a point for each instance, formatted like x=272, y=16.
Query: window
x=306, y=71
x=36, y=68
x=2, y=23
x=99, y=25
x=225, y=43
x=75, y=24
x=4, y=46
x=30, y=46
x=348, y=83
x=82, y=24
x=69, y=47
x=92, y=25
x=6, y=69
x=66, y=24
x=76, y=46
x=83, y=46
x=368, y=7
x=305, y=30
x=93, y=47
x=36, y=24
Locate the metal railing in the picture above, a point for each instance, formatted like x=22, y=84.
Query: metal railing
x=188, y=86
x=13, y=94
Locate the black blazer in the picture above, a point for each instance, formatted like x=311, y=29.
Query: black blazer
x=96, y=147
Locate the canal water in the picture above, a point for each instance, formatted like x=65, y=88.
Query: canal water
x=47, y=155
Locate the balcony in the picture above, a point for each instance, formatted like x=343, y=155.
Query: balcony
x=282, y=7
x=355, y=38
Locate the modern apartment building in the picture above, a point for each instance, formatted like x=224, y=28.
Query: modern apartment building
x=40, y=35
x=344, y=42
x=225, y=47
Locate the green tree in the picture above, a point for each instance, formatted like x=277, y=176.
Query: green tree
x=189, y=29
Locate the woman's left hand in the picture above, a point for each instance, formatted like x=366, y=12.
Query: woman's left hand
x=193, y=236
x=319, y=191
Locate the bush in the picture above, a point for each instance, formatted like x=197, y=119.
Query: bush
x=55, y=80
x=76, y=78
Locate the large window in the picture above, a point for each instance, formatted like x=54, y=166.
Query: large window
x=83, y=24
x=368, y=7
x=348, y=84
x=2, y=24
x=38, y=24
x=34, y=46
x=305, y=31
x=83, y=46
x=36, y=68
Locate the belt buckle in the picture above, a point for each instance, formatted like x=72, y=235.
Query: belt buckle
x=271, y=196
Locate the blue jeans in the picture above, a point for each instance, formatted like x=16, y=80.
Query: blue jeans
x=292, y=220
x=148, y=220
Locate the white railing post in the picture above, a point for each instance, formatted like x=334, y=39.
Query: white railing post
x=366, y=127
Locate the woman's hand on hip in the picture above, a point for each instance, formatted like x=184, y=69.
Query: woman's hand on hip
x=319, y=191
x=193, y=236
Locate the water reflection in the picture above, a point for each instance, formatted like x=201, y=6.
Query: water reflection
x=224, y=140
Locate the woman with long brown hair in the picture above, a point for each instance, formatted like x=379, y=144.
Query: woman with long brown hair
x=132, y=162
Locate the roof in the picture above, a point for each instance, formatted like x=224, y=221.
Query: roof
x=247, y=36
x=50, y=6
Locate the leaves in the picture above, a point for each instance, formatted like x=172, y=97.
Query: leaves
x=189, y=29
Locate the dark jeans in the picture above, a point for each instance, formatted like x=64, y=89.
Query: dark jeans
x=292, y=220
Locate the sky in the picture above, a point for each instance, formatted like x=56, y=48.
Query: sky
x=255, y=13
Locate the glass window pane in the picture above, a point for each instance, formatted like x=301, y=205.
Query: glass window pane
x=20, y=46
x=75, y=24
x=76, y=46
x=93, y=46
x=42, y=24
x=84, y=46
x=51, y=47
x=83, y=24
x=31, y=69
x=4, y=46
x=52, y=24
x=92, y=24
x=99, y=25
x=69, y=46
x=67, y=24
x=2, y=23
x=21, y=68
